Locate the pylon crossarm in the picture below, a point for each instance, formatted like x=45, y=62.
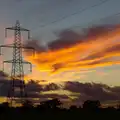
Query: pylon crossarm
x=11, y=61
x=23, y=29
x=8, y=61
x=15, y=28
x=30, y=48
x=25, y=62
x=11, y=46
x=1, y=46
x=24, y=47
x=10, y=28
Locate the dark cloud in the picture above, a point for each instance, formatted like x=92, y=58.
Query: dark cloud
x=34, y=44
x=3, y=83
x=3, y=74
x=115, y=48
x=111, y=50
x=68, y=38
x=6, y=86
x=65, y=39
x=54, y=96
x=93, y=91
x=96, y=31
x=93, y=56
x=32, y=88
x=44, y=97
x=51, y=86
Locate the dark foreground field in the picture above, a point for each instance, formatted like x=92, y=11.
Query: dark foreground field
x=53, y=110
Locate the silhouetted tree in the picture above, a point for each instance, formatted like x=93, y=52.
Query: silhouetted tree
x=4, y=104
x=118, y=105
x=73, y=107
x=89, y=104
x=4, y=107
x=54, y=103
x=27, y=104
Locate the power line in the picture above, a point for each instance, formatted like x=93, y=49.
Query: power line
x=95, y=21
x=78, y=12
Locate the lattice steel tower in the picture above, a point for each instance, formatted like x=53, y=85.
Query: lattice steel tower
x=17, y=62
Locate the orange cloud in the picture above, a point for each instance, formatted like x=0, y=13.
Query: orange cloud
x=94, y=51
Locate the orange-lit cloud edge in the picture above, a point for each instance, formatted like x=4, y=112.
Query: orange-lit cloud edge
x=61, y=65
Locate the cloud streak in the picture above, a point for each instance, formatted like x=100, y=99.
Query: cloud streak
x=78, y=92
x=96, y=48
x=93, y=91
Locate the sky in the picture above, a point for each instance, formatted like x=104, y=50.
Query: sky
x=57, y=20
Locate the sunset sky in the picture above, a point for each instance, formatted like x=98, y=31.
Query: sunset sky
x=65, y=55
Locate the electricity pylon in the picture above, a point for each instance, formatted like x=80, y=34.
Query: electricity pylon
x=17, y=62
